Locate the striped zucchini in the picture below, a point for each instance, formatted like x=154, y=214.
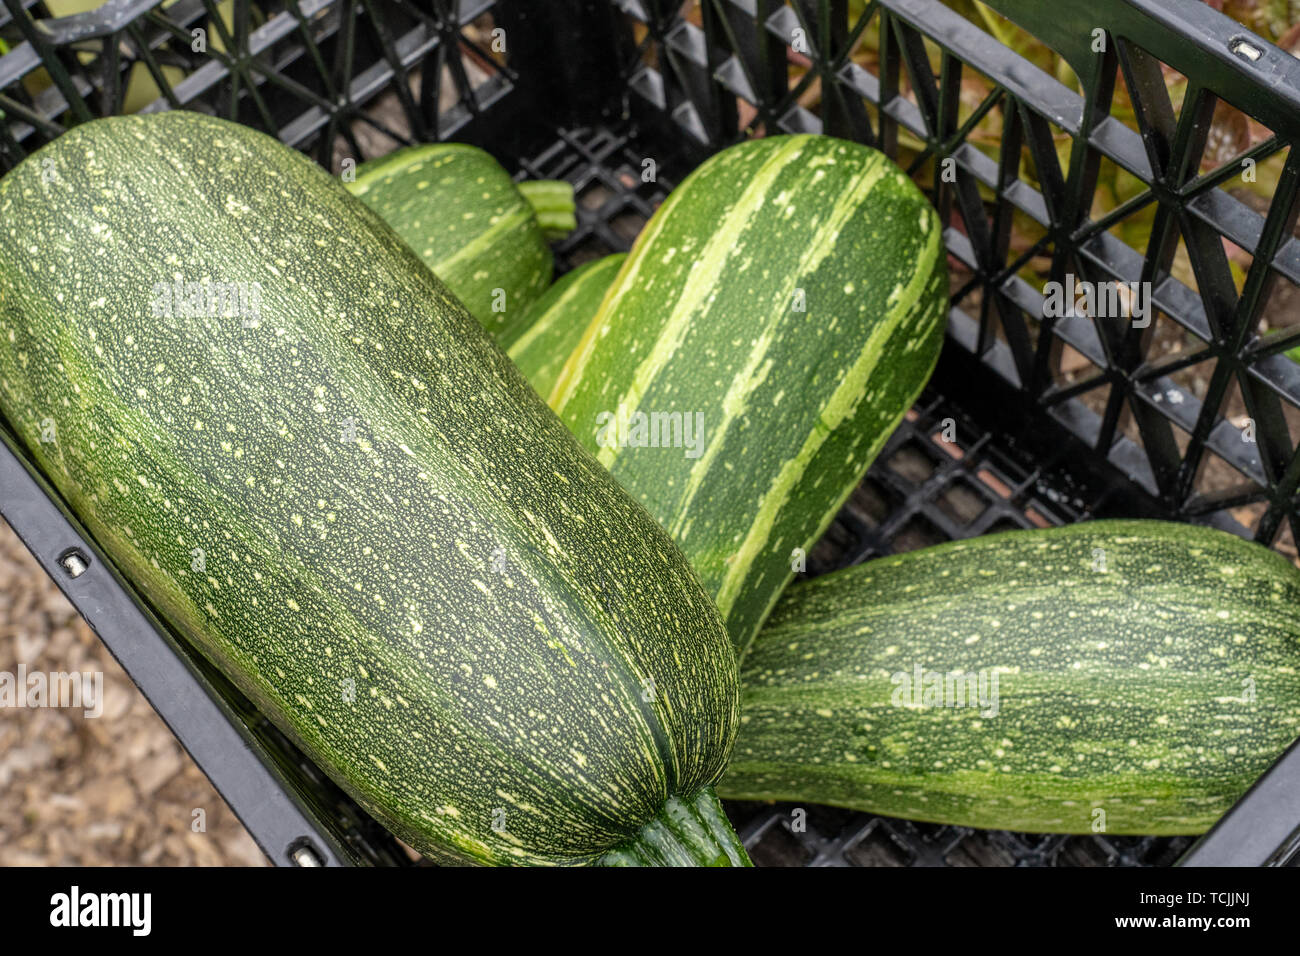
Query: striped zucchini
x=460, y=212
x=1146, y=674
x=775, y=319
x=353, y=504
x=541, y=344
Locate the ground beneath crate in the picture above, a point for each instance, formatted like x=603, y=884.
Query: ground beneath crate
x=75, y=790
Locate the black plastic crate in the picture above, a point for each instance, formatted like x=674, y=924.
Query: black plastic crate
x=597, y=92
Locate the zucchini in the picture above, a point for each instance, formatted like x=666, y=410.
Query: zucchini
x=353, y=504
x=541, y=344
x=1147, y=674
x=787, y=301
x=460, y=212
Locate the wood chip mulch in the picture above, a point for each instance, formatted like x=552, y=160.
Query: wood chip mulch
x=113, y=790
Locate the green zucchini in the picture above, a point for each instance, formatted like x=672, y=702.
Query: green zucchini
x=1146, y=674
x=460, y=212
x=353, y=504
x=787, y=301
x=541, y=344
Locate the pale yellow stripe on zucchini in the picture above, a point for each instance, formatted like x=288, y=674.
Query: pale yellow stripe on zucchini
x=571, y=375
x=545, y=322
x=487, y=239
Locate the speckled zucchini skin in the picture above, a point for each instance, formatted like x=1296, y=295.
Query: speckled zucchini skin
x=354, y=504
x=1145, y=669
x=462, y=215
x=542, y=343
x=791, y=293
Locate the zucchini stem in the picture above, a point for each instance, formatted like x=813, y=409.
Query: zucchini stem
x=553, y=205
x=688, y=831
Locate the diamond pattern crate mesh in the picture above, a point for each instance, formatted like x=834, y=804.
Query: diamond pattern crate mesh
x=1088, y=145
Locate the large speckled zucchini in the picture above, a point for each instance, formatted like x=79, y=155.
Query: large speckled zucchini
x=353, y=504
x=1124, y=677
